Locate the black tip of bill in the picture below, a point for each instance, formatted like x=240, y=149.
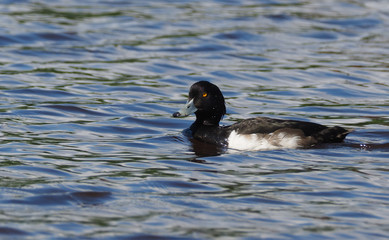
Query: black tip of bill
x=176, y=114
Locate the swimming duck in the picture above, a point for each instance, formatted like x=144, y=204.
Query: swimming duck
x=206, y=101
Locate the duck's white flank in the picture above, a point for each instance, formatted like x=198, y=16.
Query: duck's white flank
x=257, y=141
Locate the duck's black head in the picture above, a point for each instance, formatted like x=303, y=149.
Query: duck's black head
x=206, y=101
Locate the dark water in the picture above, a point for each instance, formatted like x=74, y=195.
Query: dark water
x=89, y=148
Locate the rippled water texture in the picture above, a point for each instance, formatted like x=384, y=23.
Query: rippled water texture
x=89, y=148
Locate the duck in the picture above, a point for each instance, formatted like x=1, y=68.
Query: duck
x=207, y=102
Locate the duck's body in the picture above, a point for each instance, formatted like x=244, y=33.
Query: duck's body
x=207, y=102
x=267, y=133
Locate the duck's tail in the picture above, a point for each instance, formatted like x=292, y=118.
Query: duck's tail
x=332, y=135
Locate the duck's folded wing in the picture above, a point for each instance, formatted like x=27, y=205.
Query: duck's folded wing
x=268, y=125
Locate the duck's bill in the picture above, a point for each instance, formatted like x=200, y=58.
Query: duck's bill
x=188, y=109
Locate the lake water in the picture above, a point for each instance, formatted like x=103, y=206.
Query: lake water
x=89, y=149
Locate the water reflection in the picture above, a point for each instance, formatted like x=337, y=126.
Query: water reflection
x=202, y=149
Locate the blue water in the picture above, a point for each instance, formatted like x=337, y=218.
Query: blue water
x=89, y=149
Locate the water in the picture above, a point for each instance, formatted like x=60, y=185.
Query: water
x=89, y=148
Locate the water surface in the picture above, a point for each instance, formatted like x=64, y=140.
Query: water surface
x=89, y=148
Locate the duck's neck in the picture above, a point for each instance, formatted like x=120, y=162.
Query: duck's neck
x=207, y=119
x=202, y=123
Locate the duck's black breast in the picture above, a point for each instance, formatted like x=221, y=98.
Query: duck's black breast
x=213, y=134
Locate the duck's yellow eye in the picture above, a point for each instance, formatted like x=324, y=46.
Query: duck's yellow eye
x=205, y=94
